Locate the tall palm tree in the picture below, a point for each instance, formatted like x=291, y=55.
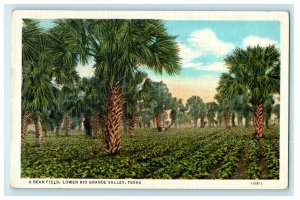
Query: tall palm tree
x=49, y=62
x=126, y=45
x=118, y=48
x=66, y=54
x=254, y=71
x=30, y=36
x=38, y=90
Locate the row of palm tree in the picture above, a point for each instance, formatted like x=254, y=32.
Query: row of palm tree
x=119, y=95
x=117, y=47
x=211, y=113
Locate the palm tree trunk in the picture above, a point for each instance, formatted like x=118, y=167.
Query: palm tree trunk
x=239, y=119
x=140, y=123
x=113, y=120
x=227, y=119
x=259, y=120
x=57, y=129
x=233, y=119
x=44, y=130
x=247, y=122
x=68, y=124
x=51, y=128
x=87, y=124
x=158, y=119
x=131, y=124
x=38, y=129
x=202, y=122
x=24, y=126
x=95, y=124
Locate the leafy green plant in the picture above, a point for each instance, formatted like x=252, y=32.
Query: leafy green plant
x=177, y=154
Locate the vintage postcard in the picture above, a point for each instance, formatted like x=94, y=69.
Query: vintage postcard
x=149, y=99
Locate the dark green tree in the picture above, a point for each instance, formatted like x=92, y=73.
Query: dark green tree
x=118, y=48
x=197, y=110
x=254, y=71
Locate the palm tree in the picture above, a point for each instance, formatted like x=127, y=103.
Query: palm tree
x=238, y=109
x=181, y=113
x=127, y=45
x=133, y=93
x=225, y=105
x=118, y=48
x=146, y=112
x=246, y=109
x=163, y=101
x=38, y=90
x=219, y=100
x=93, y=105
x=49, y=62
x=177, y=108
x=72, y=105
x=156, y=100
x=254, y=71
x=67, y=54
x=30, y=36
x=196, y=109
x=56, y=113
x=212, y=108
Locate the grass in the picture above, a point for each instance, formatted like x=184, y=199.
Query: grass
x=209, y=153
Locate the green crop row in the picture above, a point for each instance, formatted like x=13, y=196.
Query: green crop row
x=173, y=154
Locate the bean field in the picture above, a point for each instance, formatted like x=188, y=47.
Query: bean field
x=209, y=153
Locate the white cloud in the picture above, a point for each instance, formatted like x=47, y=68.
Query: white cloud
x=216, y=66
x=187, y=54
x=254, y=40
x=193, y=65
x=201, y=43
x=207, y=41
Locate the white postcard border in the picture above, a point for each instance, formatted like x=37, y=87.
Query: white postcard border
x=16, y=53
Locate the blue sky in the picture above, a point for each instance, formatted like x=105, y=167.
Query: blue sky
x=207, y=42
x=203, y=45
